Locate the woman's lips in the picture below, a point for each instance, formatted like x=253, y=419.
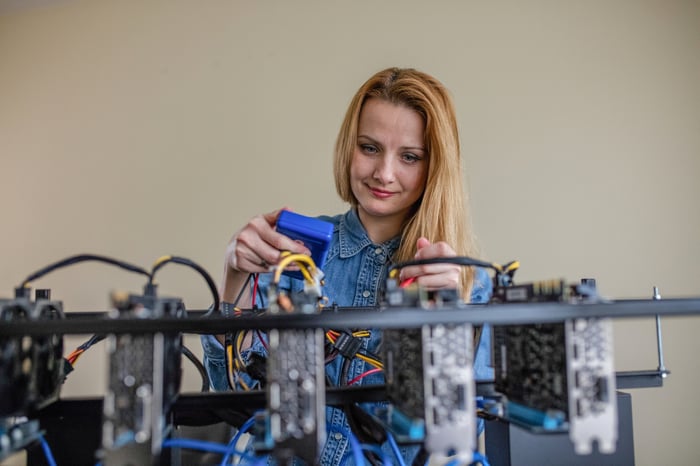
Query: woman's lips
x=380, y=193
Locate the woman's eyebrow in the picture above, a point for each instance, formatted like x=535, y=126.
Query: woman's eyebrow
x=374, y=141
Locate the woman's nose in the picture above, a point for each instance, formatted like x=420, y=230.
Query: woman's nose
x=384, y=170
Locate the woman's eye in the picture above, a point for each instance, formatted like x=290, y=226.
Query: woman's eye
x=411, y=158
x=368, y=149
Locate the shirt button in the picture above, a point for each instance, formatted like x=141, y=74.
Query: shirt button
x=366, y=294
x=338, y=436
x=378, y=251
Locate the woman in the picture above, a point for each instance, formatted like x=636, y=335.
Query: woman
x=397, y=163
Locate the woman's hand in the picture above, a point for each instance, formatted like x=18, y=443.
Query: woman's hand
x=257, y=246
x=254, y=249
x=433, y=276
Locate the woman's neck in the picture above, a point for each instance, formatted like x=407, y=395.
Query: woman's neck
x=380, y=229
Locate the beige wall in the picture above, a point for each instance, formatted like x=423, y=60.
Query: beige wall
x=136, y=129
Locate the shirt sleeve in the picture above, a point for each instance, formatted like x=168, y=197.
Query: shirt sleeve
x=481, y=294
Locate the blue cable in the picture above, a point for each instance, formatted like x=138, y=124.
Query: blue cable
x=202, y=445
x=395, y=448
x=47, y=451
x=196, y=445
x=232, y=444
x=479, y=458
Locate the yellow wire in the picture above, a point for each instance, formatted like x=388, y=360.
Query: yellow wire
x=307, y=275
x=239, y=344
x=230, y=372
x=303, y=269
x=298, y=258
x=371, y=361
x=287, y=255
x=513, y=266
x=229, y=366
x=332, y=335
x=301, y=259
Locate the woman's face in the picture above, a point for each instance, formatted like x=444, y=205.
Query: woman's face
x=389, y=166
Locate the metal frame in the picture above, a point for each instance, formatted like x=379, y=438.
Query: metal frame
x=349, y=317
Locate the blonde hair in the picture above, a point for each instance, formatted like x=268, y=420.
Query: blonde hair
x=441, y=213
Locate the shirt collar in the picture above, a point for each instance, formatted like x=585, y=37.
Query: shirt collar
x=353, y=236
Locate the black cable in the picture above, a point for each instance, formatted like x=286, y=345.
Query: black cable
x=68, y=365
x=82, y=258
x=459, y=260
x=91, y=341
x=229, y=337
x=360, y=425
x=228, y=343
x=503, y=276
x=330, y=355
x=243, y=288
x=195, y=266
x=200, y=367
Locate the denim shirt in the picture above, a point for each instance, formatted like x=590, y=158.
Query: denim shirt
x=355, y=272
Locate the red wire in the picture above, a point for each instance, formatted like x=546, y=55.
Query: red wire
x=262, y=340
x=407, y=282
x=255, y=290
x=363, y=375
x=74, y=356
